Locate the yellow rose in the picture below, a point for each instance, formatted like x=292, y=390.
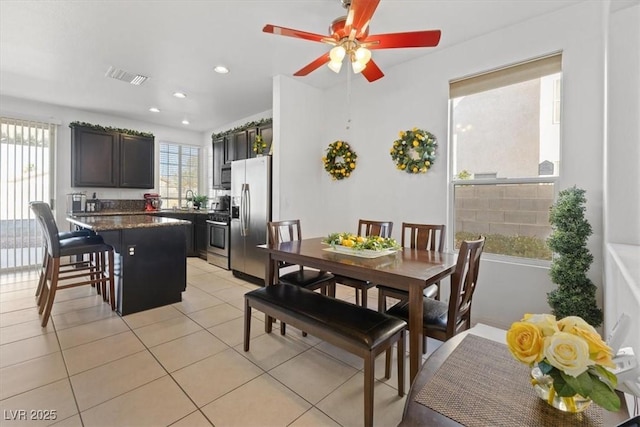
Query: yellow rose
x=599, y=351
x=339, y=144
x=525, y=342
x=427, y=163
x=571, y=323
x=352, y=165
x=567, y=352
x=403, y=166
x=415, y=129
x=415, y=169
x=401, y=134
x=546, y=322
x=415, y=143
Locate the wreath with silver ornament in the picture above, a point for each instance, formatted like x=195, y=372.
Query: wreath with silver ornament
x=340, y=160
x=414, y=151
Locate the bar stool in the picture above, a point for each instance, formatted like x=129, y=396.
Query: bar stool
x=57, y=275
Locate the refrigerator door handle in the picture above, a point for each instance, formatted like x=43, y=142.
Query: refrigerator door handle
x=244, y=209
x=248, y=219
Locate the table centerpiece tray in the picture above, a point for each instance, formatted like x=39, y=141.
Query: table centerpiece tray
x=362, y=253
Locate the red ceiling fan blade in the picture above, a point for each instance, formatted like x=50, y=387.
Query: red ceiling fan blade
x=313, y=65
x=372, y=72
x=290, y=32
x=359, y=16
x=427, y=38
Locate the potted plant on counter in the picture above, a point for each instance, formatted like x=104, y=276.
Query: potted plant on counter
x=199, y=200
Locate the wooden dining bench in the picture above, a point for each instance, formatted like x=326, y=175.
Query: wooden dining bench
x=360, y=331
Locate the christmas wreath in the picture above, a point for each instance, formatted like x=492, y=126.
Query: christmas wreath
x=414, y=151
x=340, y=160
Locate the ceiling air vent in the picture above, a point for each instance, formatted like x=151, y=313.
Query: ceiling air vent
x=125, y=76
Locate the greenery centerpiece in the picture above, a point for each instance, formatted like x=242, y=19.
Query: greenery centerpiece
x=576, y=293
x=353, y=241
x=199, y=200
x=569, y=361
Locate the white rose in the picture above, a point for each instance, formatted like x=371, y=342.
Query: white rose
x=567, y=352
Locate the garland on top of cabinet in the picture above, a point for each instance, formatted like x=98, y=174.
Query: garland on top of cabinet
x=245, y=126
x=111, y=129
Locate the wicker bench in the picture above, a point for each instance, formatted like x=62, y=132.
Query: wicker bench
x=360, y=331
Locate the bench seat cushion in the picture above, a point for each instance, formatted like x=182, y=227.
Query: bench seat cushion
x=363, y=327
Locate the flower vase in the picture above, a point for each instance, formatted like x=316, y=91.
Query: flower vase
x=543, y=386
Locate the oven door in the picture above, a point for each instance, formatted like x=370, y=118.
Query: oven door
x=218, y=238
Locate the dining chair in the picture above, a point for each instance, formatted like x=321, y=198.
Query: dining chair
x=312, y=279
x=443, y=320
x=416, y=236
x=58, y=275
x=366, y=228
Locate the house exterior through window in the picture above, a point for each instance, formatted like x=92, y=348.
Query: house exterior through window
x=505, y=156
x=179, y=172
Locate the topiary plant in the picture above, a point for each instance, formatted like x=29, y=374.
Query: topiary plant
x=576, y=293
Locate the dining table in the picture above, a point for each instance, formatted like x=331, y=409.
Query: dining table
x=407, y=269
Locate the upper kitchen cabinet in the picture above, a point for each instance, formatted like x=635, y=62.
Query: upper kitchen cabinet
x=105, y=157
x=136, y=161
x=266, y=132
x=219, y=159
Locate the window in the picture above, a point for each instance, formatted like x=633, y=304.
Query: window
x=505, y=152
x=26, y=171
x=179, y=172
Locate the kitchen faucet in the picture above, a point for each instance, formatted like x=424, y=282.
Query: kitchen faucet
x=189, y=198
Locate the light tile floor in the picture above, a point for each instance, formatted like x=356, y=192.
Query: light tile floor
x=178, y=365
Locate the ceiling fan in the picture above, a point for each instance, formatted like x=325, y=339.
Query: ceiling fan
x=350, y=38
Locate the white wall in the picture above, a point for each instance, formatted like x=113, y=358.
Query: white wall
x=623, y=142
x=416, y=94
x=31, y=110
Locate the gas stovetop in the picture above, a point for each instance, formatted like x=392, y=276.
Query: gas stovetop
x=219, y=216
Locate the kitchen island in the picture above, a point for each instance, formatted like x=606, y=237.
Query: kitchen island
x=150, y=259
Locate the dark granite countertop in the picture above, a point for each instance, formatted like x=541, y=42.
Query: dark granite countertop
x=113, y=212
x=123, y=222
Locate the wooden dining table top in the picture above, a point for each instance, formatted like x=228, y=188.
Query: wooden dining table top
x=407, y=269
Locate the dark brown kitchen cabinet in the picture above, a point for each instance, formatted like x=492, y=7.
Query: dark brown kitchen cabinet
x=94, y=158
x=241, y=145
x=111, y=159
x=136, y=161
x=218, y=160
x=266, y=133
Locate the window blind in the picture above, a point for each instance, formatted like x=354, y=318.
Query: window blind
x=505, y=76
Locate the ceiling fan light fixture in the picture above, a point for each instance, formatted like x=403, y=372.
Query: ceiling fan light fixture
x=363, y=55
x=335, y=66
x=358, y=66
x=337, y=53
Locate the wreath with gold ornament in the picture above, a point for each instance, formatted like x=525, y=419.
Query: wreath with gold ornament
x=340, y=160
x=414, y=151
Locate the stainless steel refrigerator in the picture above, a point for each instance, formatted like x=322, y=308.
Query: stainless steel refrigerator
x=250, y=212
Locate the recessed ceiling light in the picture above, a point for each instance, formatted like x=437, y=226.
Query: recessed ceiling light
x=180, y=95
x=154, y=110
x=221, y=69
x=185, y=122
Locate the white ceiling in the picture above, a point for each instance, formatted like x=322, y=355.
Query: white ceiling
x=59, y=51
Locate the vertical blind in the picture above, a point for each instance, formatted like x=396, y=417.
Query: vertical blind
x=26, y=174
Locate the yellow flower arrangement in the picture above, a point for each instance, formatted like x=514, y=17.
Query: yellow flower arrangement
x=414, y=151
x=340, y=160
x=570, y=351
x=353, y=241
x=259, y=145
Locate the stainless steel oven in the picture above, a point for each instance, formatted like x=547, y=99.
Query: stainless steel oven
x=218, y=239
